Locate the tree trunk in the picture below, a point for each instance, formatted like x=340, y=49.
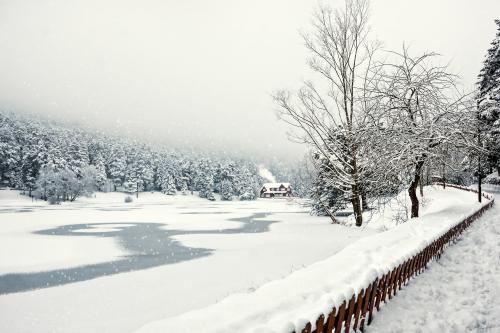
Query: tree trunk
x=444, y=175
x=479, y=169
x=356, y=206
x=356, y=190
x=364, y=202
x=330, y=214
x=412, y=190
x=479, y=178
x=420, y=183
x=428, y=174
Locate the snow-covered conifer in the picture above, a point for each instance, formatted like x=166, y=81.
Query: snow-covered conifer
x=489, y=100
x=226, y=190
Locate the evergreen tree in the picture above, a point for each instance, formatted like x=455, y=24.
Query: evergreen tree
x=187, y=175
x=96, y=158
x=226, y=190
x=133, y=182
x=246, y=181
x=77, y=156
x=207, y=187
x=116, y=166
x=9, y=155
x=168, y=184
x=247, y=193
x=184, y=186
x=489, y=99
x=326, y=198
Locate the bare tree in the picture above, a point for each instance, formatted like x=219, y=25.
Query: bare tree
x=420, y=110
x=327, y=112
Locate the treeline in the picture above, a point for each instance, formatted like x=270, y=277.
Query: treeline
x=59, y=163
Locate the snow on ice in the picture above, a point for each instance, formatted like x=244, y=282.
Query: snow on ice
x=233, y=262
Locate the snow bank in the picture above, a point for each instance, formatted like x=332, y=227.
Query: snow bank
x=397, y=210
x=459, y=293
x=286, y=305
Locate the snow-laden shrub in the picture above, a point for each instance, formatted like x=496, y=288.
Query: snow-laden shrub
x=65, y=185
x=128, y=199
x=492, y=178
x=248, y=194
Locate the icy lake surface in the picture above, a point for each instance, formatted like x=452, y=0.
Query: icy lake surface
x=100, y=264
x=148, y=244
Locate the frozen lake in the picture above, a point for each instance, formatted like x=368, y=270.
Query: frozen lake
x=149, y=246
x=100, y=264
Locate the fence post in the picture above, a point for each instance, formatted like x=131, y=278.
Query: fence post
x=350, y=311
x=330, y=322
x=367, y=299
x=307, y=329
x=340, y=318
x=319, y=324
x=391, y=282
x=381, y=290
x=358, y=309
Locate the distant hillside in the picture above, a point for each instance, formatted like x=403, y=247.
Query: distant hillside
x=29, y=145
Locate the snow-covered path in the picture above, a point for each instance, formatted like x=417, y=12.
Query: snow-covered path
x=458, y=293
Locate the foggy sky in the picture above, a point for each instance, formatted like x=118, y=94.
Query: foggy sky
x=197, y=72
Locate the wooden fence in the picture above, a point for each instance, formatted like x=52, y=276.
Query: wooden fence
x=358, y=311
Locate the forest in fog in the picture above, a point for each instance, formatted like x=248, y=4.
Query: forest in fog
x=50, y=160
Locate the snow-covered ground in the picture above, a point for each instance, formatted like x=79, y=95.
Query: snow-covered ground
x=288, y=304
x=119, y=255
x=164, y=263
x=458, y=293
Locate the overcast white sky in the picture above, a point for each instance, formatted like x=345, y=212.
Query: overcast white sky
x=198, y=72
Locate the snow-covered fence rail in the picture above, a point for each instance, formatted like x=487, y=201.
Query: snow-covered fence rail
x=465, y=188
x=358, y=310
